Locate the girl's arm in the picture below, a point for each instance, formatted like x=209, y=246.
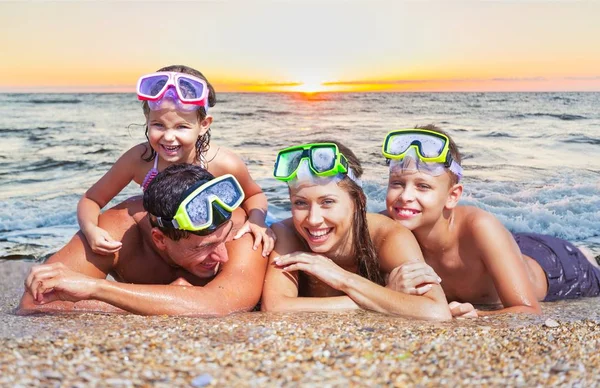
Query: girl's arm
x=97, y=196
x=255, y=204
x=280, y=291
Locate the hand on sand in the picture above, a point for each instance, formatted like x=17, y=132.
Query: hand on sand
x=261, y=233
x=50, y=282
x=415, y=278
x=462, y=310
x=101, y=242
x=319, y=266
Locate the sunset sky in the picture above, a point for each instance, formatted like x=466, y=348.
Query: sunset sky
x=304, y=45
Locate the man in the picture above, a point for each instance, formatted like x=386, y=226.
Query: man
x=177, y=258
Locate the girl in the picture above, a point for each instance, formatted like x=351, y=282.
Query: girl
x=175, y=102
x=325, y=256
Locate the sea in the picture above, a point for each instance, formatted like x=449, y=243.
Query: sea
x=531, y=159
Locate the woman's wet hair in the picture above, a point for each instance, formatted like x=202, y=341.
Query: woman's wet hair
x=364, y=250
x=203, y=142
x=163, y=195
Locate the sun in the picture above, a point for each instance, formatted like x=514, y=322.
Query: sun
x=310, y=85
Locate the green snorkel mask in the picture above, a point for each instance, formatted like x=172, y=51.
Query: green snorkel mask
x=420, y=149
x=206, y=206
x=318, y=162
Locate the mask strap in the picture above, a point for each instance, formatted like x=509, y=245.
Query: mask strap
x=305, y=174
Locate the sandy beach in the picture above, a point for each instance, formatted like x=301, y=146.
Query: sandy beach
x=308, y=349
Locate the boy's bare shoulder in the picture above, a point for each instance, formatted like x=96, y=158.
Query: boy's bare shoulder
x=476, y=222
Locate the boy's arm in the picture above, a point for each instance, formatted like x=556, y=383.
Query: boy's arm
x=97, y=196
x=504, y=262
x=280, y=292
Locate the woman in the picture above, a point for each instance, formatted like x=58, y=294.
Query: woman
x=325, y=256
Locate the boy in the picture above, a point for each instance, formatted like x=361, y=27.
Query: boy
x=477, y=258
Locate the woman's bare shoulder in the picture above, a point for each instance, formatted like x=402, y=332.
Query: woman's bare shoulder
x=287, y=238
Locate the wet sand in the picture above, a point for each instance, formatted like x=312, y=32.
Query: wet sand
x=316, y=349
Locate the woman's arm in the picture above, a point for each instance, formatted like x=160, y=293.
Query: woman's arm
x=280, y=292
x=395, y=246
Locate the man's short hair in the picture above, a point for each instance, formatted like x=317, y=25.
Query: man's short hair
x=164, y=194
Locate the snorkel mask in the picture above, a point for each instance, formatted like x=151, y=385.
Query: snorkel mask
x=319, y=163
x=206, y=206
x=420, y=150
x=187, y=92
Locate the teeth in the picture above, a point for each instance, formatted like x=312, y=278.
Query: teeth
x=171, y=148
x=406, y=212
x=318, y=233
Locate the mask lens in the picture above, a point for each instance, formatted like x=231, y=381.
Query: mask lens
x=288, y=162
x=226, y=191
x=429, y=146
x=323, y=158
x=153, y=85
x=189, y=89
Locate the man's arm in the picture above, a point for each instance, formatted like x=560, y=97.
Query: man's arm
x=79, y=257
x=504, y=262
x=236, y=288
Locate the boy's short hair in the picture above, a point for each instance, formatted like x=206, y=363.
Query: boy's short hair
x=162, y=197
x=454, y=152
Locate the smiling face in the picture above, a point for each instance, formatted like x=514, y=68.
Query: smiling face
x=199, y=255
x=173, y=133
x=417, y=199
x=322, y=215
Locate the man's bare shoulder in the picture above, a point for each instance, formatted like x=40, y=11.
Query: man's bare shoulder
x=122, y=221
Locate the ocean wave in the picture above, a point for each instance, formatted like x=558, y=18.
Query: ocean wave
x=566, y=210
x=561, y=116
x=242, y=114
x=55, y=101
x=50, y=164
x=583, y=140
x=498, y=134
x=98, y=151
x=252, y=144
x=274, y=112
